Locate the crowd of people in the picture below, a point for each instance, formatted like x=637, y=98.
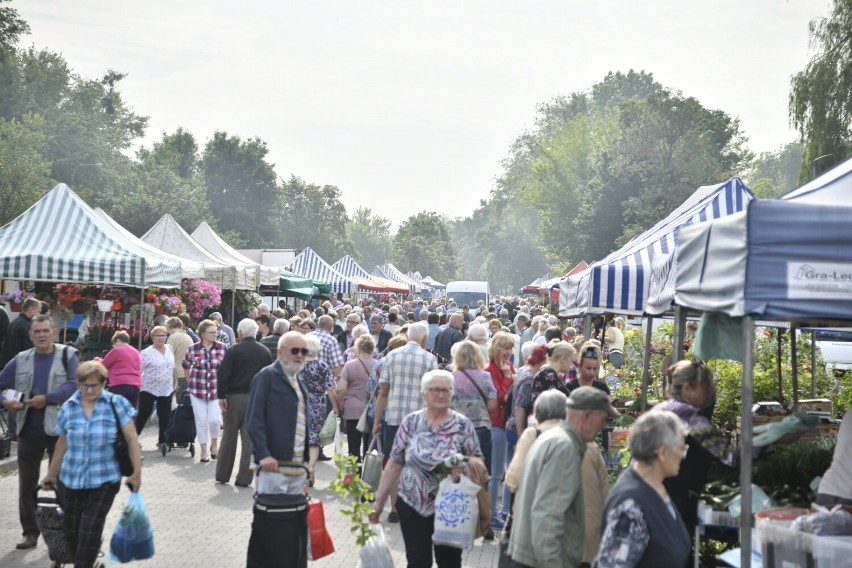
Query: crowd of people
x=504, y=393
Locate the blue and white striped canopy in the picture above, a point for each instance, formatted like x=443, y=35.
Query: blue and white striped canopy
x=61, y=239
x=310, y=265
x=348, y=267
x=620, y=283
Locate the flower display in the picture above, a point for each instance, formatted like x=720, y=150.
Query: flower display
x=199, y=295
x=171, y=304
x=17, y=296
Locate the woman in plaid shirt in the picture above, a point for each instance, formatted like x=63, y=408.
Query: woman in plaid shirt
x=202, y=362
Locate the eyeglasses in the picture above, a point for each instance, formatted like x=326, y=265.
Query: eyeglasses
x=90, y=386
x=299, y=350
x=438, y=390
x=160, y=335
x=213, y=331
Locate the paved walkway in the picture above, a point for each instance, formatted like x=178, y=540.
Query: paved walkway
x=198, y=522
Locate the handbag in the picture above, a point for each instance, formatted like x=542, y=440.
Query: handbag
x=326, y=435
x=319, y=541
x=371, y=470
x=362, y=420
x=122, y=452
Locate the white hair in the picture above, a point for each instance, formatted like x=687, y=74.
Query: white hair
x=477, y=332
x=313, y=342
x=281, y=326
x=430, y=378
x=418, y=331
x=247, y=328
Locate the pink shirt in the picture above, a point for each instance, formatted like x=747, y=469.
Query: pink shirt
x=124, y=364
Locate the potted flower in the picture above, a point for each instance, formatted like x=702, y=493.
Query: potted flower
x=200, y=295
x=16, y=298
x=171, y=304
x=112, y=294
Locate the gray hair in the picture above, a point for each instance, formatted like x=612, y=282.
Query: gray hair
x=527, y=349
x=430, y=378
x=247, y=328
x=313, y=342
x=418, y=331
x=325, y=322
x=215, y=316
x=281, y=326
x=263, y=308
x=477, y=332
x=359, y=330
x=550, y=404
x=655, y=430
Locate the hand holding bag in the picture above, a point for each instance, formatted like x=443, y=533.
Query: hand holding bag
x=133, y=538
x=122, y=452
x=371, y=470
x=376, y=552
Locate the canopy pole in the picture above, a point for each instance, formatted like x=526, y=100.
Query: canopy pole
x=233, y=303
x=679, y=332
x=813, y=364
x=794, y=362
x=746, y=441
x=780, y=358
x=646, y=362
x=141, y=315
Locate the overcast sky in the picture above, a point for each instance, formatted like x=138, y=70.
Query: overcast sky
x=409, y=106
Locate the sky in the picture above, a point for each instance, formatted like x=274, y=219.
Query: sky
x=410, y=106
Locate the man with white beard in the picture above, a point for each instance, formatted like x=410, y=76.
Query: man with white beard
x=277, y=423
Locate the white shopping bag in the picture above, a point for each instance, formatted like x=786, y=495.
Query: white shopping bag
x=456, y=513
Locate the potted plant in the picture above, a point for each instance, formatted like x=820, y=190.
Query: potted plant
x=114, y=295
x=200, y=295
x=16, y=298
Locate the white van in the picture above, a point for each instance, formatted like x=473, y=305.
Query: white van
x=469, y=292
x=835, y=344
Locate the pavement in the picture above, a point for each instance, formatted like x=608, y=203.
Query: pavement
x=198, y=522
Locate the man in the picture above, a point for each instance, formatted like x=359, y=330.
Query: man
x=399, y=390
x=549, y=510
x=239, y=366
x=381, y=335
x=279, y=328
x=520, y=325
x=449, y=336
x=277, y=423
x=468, y=317
x=45, y=376
x=179, y=341
x=344, y=339
x=329, y=352
x=226, y=332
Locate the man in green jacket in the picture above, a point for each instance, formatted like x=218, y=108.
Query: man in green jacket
x=548, y=530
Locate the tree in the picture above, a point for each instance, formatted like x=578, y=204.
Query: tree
x=370, y=235
x=178, y=152
x=313, y=216
x=12, y=27
x=241, y=187
x=821, y=94
x=775, y=173
x=24, y=173
x=423, y=244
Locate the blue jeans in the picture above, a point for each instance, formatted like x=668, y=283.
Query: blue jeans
x=484, y=435
x=501, y=455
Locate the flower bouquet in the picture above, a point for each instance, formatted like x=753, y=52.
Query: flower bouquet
x=200, y=295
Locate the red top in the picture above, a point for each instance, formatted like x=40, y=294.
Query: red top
x=503, y=384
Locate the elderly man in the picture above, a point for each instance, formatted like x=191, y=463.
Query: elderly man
x=449, y=336
x=549, y=526
x=344, y=339
x=239, y=366
x=400, y=388
x=279, y=328
x=263, y=310
x=329, y=352
x=277, y=423
x=226, y=332
x=45, y=377
x=380, y=335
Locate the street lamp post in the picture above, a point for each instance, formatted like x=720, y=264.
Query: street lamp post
x=814, y=163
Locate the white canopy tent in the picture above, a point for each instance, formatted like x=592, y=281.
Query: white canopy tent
x=207, y=237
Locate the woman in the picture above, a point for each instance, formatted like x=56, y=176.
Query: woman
x=201, y=363
x=308, y=326
x=474, y=394
x=84, y=459
x=478, y=333
x=615, y=343
x=352, y=390
x=522, y=392
x=549, y=376
x=588, y=368
x=503, y=375
x=158, y=383
x=425, y=440
x=642, y=527
x=691, y=392
x=494, y=327
x=319, y=382
x=123, y=363
x=264, y=326
x=351, y=353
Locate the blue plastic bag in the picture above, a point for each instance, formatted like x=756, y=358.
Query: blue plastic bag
x=133, y=537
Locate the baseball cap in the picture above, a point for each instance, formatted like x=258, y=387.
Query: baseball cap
x=590, y=398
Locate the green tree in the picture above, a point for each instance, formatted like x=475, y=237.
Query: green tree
x=423, y=244
x=24, y=173
x=178, y=152
x=775, y=173
x=821, y=94
x=12, y=27
x=241, y=187
x=313, y=216
x=370, y=235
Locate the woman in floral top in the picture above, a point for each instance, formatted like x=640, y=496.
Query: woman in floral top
x=474, y=394
x=158, y=382
x=426, y=439
x=202, y=360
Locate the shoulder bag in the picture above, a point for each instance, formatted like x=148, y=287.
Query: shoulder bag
x=362, y=420
x=478, y=389
x=122, y=451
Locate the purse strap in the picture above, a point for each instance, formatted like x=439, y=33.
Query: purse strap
x=114, y=413
x=479, y=390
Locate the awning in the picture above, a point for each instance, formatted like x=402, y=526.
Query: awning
x=310, y=265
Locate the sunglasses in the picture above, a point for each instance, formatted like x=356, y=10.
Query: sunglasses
x=299, y=350
x=590, y=354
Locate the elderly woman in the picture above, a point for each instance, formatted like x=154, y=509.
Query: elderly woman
x=158, y=383
x=478, y=333
x=550, y=375
x=691, y=392
x=474, y=394
x=426, y=439
x=84, y=459
x=201, y=363
x=319, y=382
x=352, y=390
x=123, y=363
x=642, y=527
x=503, y=375
x=351, y=352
